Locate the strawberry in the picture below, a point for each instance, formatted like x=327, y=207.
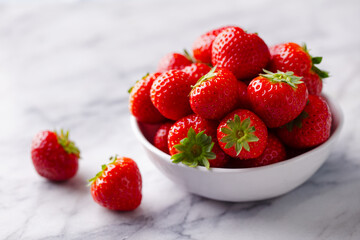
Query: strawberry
x=313, y=83
x=169, y=94
x=118, y=185
x=203, y=45
x=161, y=137
x=292, y=57
x=243, y=100
x=244, y=54
x=192, y=141
x=54, y=156
x=274, y=152
x=196, y=71
x=173, y=61
x=215, y=94
x=242, y=134
x=311, y=128
x=278, y=97
x=140, y=104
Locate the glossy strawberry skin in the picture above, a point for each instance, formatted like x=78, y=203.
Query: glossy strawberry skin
x=273, y=153
x=50, y=159
x=203, y=45
x=196, y=71
x=289, y=57
x=315, y=127
x=170, y=94
x=244, y=54
x=215, y=97
x=140, y=104
x=276, y=103
x=161, y=137
x=292, y=57
x=119, y=186
x=180, y=130
x=313, y=83
x=173, y=61
x=243, y=101
x=256, y=148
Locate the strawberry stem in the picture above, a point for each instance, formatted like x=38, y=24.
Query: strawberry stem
x=194, y=150
x=103, y=168
x=279, y=77
x=206, y=77
x=188, y=56
x=64, y=141
x=238, y=133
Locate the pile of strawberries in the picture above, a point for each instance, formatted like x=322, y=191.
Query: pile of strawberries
x=238, y=104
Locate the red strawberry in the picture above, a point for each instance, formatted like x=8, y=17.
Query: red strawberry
x=278, y=97
x=242, y=134
x=215, y=94
x=313, y=83
x=244, y=54
x=273, y=153
x=140, y=104
x=243, y=101
x=203, y=45
x=173, y=61
x=196, y=71
x=161, y=137
x=54, y=156
x=310, y=128
x=192, y=141
x=118, y=185
x=292, y=57
x=170, y=94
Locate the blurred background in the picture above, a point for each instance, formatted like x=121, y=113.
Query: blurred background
x=70, y=63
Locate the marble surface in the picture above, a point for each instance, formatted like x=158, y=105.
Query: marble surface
x=69, y=64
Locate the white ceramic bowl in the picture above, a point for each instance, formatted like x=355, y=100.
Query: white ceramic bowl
x=248, y=184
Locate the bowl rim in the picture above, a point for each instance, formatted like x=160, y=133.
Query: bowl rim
x=336, y=112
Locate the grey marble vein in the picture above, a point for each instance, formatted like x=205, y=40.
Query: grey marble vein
x=69, y=64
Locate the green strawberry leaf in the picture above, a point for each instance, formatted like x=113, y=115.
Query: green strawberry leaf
x=194, y=150
x=238, y=134
x=285, y=77
x=188, y=56
x=316, y=60
x=103, y=168
x=64, y=141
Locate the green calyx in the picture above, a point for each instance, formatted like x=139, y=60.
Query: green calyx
x=103, y=168
x=279, y=77
x=297, y=121
x=131, y=88
x=239, y=134
x=206, y=77
x=188, y=56
x=64, y=141
x=316, y=60
x=194, y=150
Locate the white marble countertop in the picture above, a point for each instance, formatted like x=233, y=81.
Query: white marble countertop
x=70, y=64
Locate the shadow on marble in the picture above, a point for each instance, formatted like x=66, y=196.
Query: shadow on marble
x=77, y=185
